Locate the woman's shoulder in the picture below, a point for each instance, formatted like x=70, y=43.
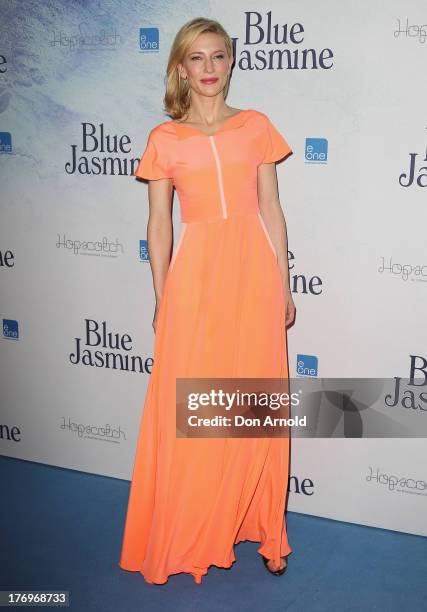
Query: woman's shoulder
x=161, y=134
x=257, y=115
x=262, y=122
x=165, y=127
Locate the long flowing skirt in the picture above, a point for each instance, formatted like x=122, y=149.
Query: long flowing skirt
x=191, y=499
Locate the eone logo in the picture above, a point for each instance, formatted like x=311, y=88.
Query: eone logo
x=316, y=151
x=10, y=329
x=149, y=39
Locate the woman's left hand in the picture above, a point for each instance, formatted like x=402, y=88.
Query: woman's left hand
x=289, y=307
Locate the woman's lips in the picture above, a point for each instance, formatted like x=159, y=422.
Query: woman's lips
x=209, y=81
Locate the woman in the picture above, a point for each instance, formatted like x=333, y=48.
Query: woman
x=222, y=304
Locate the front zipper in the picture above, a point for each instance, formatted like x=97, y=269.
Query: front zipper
x=220, y=181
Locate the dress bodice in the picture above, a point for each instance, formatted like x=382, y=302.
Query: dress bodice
x=215, y=175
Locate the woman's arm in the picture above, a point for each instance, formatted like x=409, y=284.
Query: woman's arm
x=159, y=232
x=274, y=219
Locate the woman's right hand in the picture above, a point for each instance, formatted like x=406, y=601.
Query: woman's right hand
x=156, y=311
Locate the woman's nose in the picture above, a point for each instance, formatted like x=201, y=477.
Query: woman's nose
x=209, y=67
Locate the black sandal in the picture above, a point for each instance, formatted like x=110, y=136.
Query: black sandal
x=278, y=572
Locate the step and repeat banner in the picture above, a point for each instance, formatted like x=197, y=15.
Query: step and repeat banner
x=81, y=86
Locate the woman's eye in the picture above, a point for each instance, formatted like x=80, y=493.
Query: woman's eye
x=197, y=57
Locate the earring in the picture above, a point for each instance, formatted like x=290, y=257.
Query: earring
x=179, y=79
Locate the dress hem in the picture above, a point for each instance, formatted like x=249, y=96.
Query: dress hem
x=199, y=575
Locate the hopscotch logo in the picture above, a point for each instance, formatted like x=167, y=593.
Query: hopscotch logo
x=5, y=142
x=94, y=431
x=10, y=329
x=403, y=271
x=307, y=365
x=316, y=150
x=143, y=250
x=98, y=248
x=149, y=40
x=95, y=35
x=411, y=30
x=394, y=482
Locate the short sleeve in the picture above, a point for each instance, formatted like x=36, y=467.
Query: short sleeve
x=153, y=164
x=274, y=145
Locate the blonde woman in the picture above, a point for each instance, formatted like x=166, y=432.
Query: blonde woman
x=222, y=304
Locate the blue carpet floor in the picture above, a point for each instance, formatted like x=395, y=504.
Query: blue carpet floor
x=62, y=530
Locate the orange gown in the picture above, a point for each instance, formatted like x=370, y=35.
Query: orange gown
x=221, y=315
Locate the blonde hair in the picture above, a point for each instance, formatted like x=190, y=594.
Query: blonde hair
x=177, y=96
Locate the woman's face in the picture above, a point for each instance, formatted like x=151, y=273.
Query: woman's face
x=206, y=65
